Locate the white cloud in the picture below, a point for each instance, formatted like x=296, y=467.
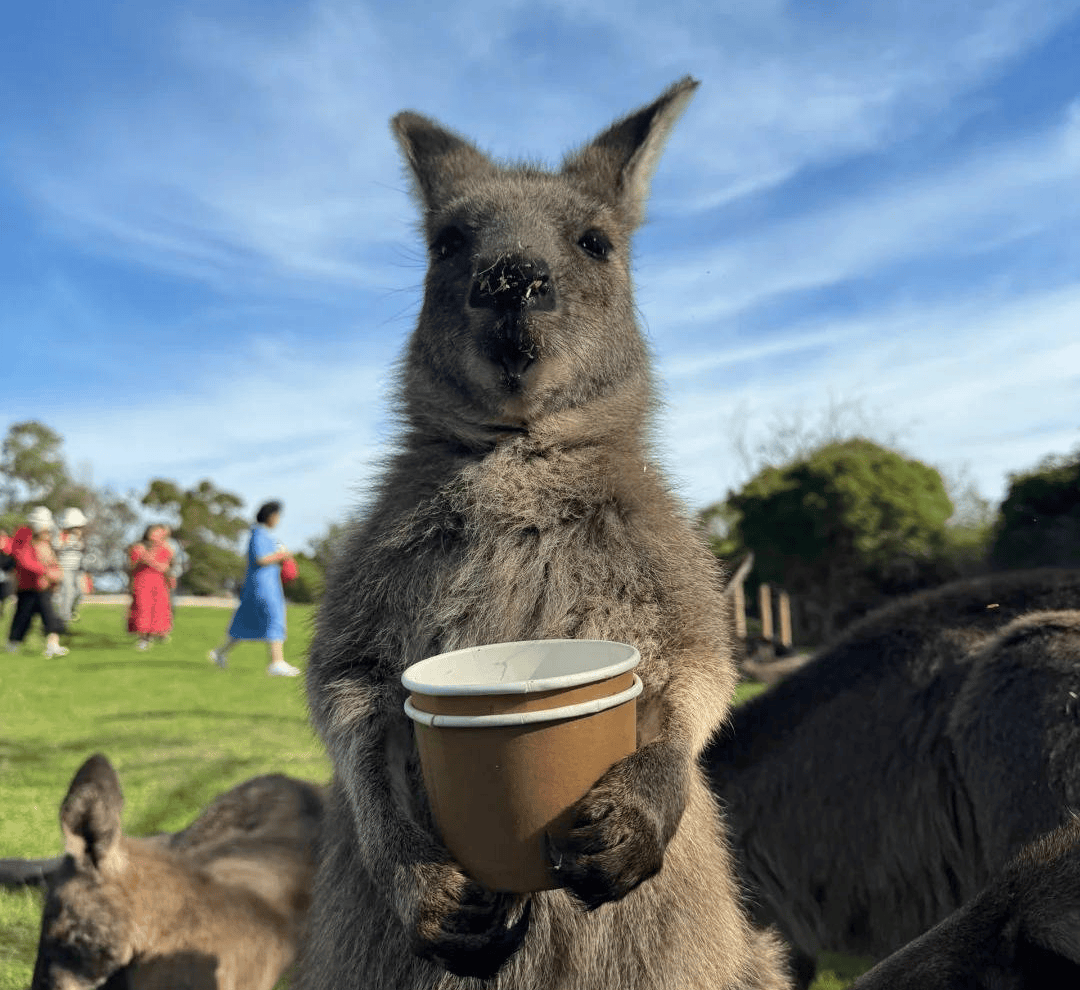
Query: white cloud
x=794, y=86
x=264, y=152
x=303, y=425
x=992, y=385
x=982, y=202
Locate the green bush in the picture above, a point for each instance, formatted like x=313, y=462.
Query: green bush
x=1038, y=524
x=842, y=526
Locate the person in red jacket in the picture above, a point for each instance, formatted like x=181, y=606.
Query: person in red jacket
x=36, y=574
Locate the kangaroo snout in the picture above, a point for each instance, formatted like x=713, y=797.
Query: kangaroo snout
x=513, y=284
x=509, y=288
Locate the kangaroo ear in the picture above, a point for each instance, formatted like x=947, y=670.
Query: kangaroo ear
x=619, y=164
x=90, y=814
x=439, y=160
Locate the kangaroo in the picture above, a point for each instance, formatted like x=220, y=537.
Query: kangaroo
x=875, y=790
x=522, y=502
x=217, y=906
x=1022, y=932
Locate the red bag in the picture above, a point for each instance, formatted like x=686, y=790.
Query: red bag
x=289, y=571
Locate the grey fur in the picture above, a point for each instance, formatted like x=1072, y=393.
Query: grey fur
x=878, y=788
x=217, y=906
x=522, y=502
x=1021, y=933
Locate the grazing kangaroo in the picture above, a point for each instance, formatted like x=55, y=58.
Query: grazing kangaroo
x=217, y=906
x=522, y=503
x=875, y=790
x=1021, y=933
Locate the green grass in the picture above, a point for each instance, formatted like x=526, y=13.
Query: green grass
x=836, y=971
x=178, y=730
x=745, y=690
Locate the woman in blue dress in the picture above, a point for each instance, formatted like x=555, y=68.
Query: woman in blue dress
x=261, y=614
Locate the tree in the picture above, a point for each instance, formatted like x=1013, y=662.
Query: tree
x=33, y=468
x=324, y=547
x=113, y=526
x=34, y=472
x=794, y=434
x=841, y=525
x=1038, y=524
x=970, y=530
x=206, y=521
x=719, y=523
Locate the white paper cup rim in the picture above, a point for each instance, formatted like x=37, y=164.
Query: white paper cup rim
x=523, y=718
x=448, y=674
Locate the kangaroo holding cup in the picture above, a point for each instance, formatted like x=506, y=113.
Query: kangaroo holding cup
x=521, y=503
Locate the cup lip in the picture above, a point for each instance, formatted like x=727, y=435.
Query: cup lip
x=410, y=679
x=524, y=718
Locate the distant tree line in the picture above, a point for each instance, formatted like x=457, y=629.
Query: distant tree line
x=208, y=521
x=847, y=523
x=840, y=522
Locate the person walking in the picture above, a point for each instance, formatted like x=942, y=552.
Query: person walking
x=36, y=574
x=150, y=616
x=7, y=569
x=70, y=557
x=261, y=614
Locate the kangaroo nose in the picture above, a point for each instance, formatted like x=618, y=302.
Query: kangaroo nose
x=513, y=284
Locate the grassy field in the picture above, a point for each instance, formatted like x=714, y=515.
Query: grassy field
x=178, y=730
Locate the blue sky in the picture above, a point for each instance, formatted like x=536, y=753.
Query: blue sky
x=209, y=258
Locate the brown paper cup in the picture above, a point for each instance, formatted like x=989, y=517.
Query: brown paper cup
x=510, y=736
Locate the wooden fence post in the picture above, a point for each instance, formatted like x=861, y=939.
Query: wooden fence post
x=765, y=605
x=738, y=594
x=785, y=619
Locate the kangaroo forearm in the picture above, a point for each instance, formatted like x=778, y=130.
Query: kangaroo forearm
x=391, y=837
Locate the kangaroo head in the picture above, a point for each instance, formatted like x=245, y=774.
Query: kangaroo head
x=87, y=928
x=528, y=309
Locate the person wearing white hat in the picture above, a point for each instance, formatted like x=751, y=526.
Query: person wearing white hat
x=36, y=574
x=70, y=557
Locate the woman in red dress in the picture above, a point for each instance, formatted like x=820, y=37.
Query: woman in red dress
x=151, y=611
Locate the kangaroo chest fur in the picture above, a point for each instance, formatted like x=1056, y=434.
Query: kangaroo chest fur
x=530, y=544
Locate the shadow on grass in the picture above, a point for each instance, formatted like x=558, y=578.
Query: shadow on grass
x=138, y=661
x=204, y=713
x=37, y=754
x=92, y=639
x=190, y=791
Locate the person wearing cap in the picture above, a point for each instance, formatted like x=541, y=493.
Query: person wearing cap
x=70, y=557
x=37, y=572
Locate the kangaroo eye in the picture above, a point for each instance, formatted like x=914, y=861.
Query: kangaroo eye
x=448, y=242
x=594, y=244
